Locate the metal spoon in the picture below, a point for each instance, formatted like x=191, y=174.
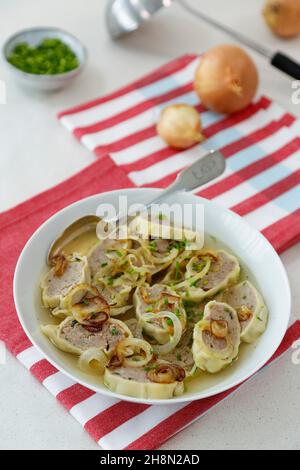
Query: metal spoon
x=77, y=228
x=199, y=173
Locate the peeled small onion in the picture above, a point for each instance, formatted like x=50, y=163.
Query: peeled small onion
x=283, y=17
x=180, y=126
x=226, y=79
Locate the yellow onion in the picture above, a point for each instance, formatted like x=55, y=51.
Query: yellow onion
x=283, y=17
x=226, y=79
x=180, y=126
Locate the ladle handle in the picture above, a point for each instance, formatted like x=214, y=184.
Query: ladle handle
x=286, y=64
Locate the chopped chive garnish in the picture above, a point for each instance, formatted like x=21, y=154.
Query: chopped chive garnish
x=49, y=57
x=153, y=246
x=177, y=270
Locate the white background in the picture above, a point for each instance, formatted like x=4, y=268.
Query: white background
x=36, y=153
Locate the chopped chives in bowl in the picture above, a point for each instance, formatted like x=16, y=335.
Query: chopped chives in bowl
x=50, y=57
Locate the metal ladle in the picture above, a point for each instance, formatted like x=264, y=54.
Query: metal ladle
x=125, y=16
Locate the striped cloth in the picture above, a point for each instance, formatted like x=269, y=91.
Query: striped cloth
x=261, y=183
x=261, y=145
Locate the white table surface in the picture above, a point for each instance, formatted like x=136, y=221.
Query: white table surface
x=36, y=153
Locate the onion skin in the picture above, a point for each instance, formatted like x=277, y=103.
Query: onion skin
x=226, y=79
x=283, y=17
x=180, y=126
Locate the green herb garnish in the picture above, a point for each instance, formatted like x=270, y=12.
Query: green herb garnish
x=153, y=246
x=50, y=57
x=177, y=312
x=178, y=245
x=177, y=270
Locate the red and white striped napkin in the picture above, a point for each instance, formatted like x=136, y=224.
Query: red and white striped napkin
x=261, y=145
x=261, y=183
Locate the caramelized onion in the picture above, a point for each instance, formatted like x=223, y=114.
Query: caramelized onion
x=115, y=361
x=92, y=311
x=166, y=374
x=244, y=313
x=95, y=321
x=60, y=264
x=219, y=328
x=208, y=254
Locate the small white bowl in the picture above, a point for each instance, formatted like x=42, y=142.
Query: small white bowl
x=254, y=251
x=33, y=36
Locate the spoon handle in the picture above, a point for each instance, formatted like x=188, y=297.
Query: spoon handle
x=199, y=173
x=205, y=169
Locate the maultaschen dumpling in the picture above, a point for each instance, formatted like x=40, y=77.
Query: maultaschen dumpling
x=203, y=274
x=66, y=273
x=156, y=299
x=75, y=338
x=158, y=380
x=251, y=310
x=216, y=338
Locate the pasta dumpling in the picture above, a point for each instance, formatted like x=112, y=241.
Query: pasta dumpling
x=66, y=273
x=105, y=256
x=92, y=344
x=158, y=380
x=216, y=338
x=251, y=310
x=201, y=275
x=154, y=300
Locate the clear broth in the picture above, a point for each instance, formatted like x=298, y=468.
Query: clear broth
x=203, y=380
